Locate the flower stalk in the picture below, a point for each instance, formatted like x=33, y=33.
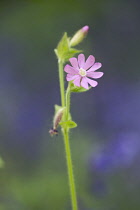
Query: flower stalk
x=70, y=170
x=61, y=81
x=65, y=132
x=68, y=93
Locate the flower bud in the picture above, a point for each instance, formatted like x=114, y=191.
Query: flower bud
x=57, y=118
x=79, y=36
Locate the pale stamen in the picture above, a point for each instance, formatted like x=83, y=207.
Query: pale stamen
x=82, y=72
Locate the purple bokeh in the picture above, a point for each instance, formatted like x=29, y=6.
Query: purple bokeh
x=119, y=118
x=119, y=153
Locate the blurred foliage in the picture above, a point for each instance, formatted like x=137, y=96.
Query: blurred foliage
x=1, y=163
x=48, y=182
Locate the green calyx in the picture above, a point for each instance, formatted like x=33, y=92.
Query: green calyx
x=76, y=89
x=63, y=51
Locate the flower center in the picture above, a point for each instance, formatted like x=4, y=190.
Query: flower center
x=82, y=72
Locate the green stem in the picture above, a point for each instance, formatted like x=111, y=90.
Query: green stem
x=68, y=101
x=65, y=132
x=70, y=170
x=68, y=152
x=61, y=80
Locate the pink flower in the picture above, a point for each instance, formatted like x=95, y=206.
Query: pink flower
x=82, y=70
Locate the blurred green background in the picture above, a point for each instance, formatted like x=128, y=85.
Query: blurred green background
x=105, y=145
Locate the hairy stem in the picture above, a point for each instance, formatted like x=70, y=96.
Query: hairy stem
x=61, y=81
x=68, y=152
x=70, y=170
x=65, y=132
x=68, y=92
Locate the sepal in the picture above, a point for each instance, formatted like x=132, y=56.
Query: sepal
x=77, y=89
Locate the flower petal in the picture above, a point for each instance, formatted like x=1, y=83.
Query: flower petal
x=94, y=75
x=74, y=62
x=77, y=81
x=95, y=67
x=70, y=77
x=89, y=62
x=70, y=70
x=84, y=83
x=93, y=83
x=81, y=60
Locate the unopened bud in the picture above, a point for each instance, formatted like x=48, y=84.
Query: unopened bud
x=79, y=36
x=57, y=118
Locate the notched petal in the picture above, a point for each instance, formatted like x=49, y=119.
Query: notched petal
x=70, y=77
x=95, y=67
x=81, y=60
x=77, y=81
x=84, y=82
x=89, y=62
x=70, y=70
x=93, y=83
x=95, y=75
x=74, y=62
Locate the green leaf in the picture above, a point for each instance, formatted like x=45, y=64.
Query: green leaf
x=71, y=53
x=63, y=50
x=63, y=47
x=76, y=89
x=68, y=124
